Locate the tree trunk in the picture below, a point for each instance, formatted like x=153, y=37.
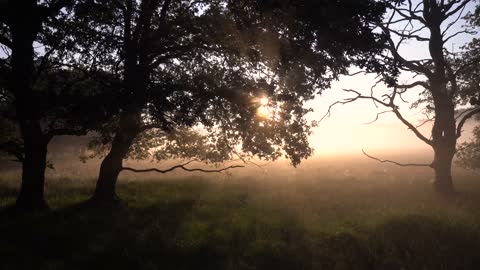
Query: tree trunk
x=107, y=179
x=444, y=140
x=444, y=137
x=136, y=79
x=112, y=164
x=442, y=166
x=31, y=196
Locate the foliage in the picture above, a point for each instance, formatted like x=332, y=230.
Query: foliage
x=221, y=60
x=157, y=145
x=67, y=97
x=469, y=152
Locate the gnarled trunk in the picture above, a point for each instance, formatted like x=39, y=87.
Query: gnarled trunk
x=112, y=164
x=136, y=78
x=444, y=138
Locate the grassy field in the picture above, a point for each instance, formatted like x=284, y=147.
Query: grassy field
x=247, y=223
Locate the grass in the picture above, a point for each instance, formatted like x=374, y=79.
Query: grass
x=247, y=224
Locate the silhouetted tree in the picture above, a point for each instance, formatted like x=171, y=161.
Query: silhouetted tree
x=176, y=73
x=433, y=23
x=39, y=96
x=21, y=21
x=189, y=63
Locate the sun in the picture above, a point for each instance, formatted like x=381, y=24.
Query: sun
x=263, y=112
x=264, y=101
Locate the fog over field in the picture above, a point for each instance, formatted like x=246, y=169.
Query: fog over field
x=344, y=164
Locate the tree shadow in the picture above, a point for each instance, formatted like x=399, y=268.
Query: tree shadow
x=81, y=237
x=418, y=242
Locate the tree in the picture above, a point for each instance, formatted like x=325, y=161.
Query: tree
x=433, y=23
x=202, y=63
x=19, y=34
x=38, y=96
x=175, y=73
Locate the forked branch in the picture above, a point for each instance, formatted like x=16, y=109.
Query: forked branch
x=389, y=104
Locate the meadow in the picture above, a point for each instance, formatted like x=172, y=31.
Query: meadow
x=382, y=219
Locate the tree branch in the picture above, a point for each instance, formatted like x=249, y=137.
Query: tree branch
x=183, y=167
x=377, y=117
x=464, y=120
x=412, y=65
x=412, y=85
x=456, y=34
x=397, y=163
x=412, y=127
x=390, y=104
x=428, y=120
x=457, y=9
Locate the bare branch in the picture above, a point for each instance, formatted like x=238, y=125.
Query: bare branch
x=390, y=104
x=182, y=167
x=350, y=100
x=412, y=13
x=414, y=84
x=376, y=118
x=412, y=127
x=371, y=91
x=428, y=120
x=412, y=65
x=453, y=22
x=457, y=9
x=466, y=31
x=409, y=35
x=356, y=73
x=397, y=163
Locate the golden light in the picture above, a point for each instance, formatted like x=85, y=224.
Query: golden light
x=263, y=112
x=264, y=101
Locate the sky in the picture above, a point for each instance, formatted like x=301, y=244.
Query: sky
x=345, y=131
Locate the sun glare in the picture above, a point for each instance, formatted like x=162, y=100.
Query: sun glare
x=263, y=109
x=263, y=112
x=264, y=101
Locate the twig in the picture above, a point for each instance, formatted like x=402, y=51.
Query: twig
x=377, y=117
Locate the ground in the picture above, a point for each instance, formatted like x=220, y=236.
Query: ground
x=247, y=223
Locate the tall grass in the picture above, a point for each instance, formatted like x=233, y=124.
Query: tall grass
x=250, y=222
